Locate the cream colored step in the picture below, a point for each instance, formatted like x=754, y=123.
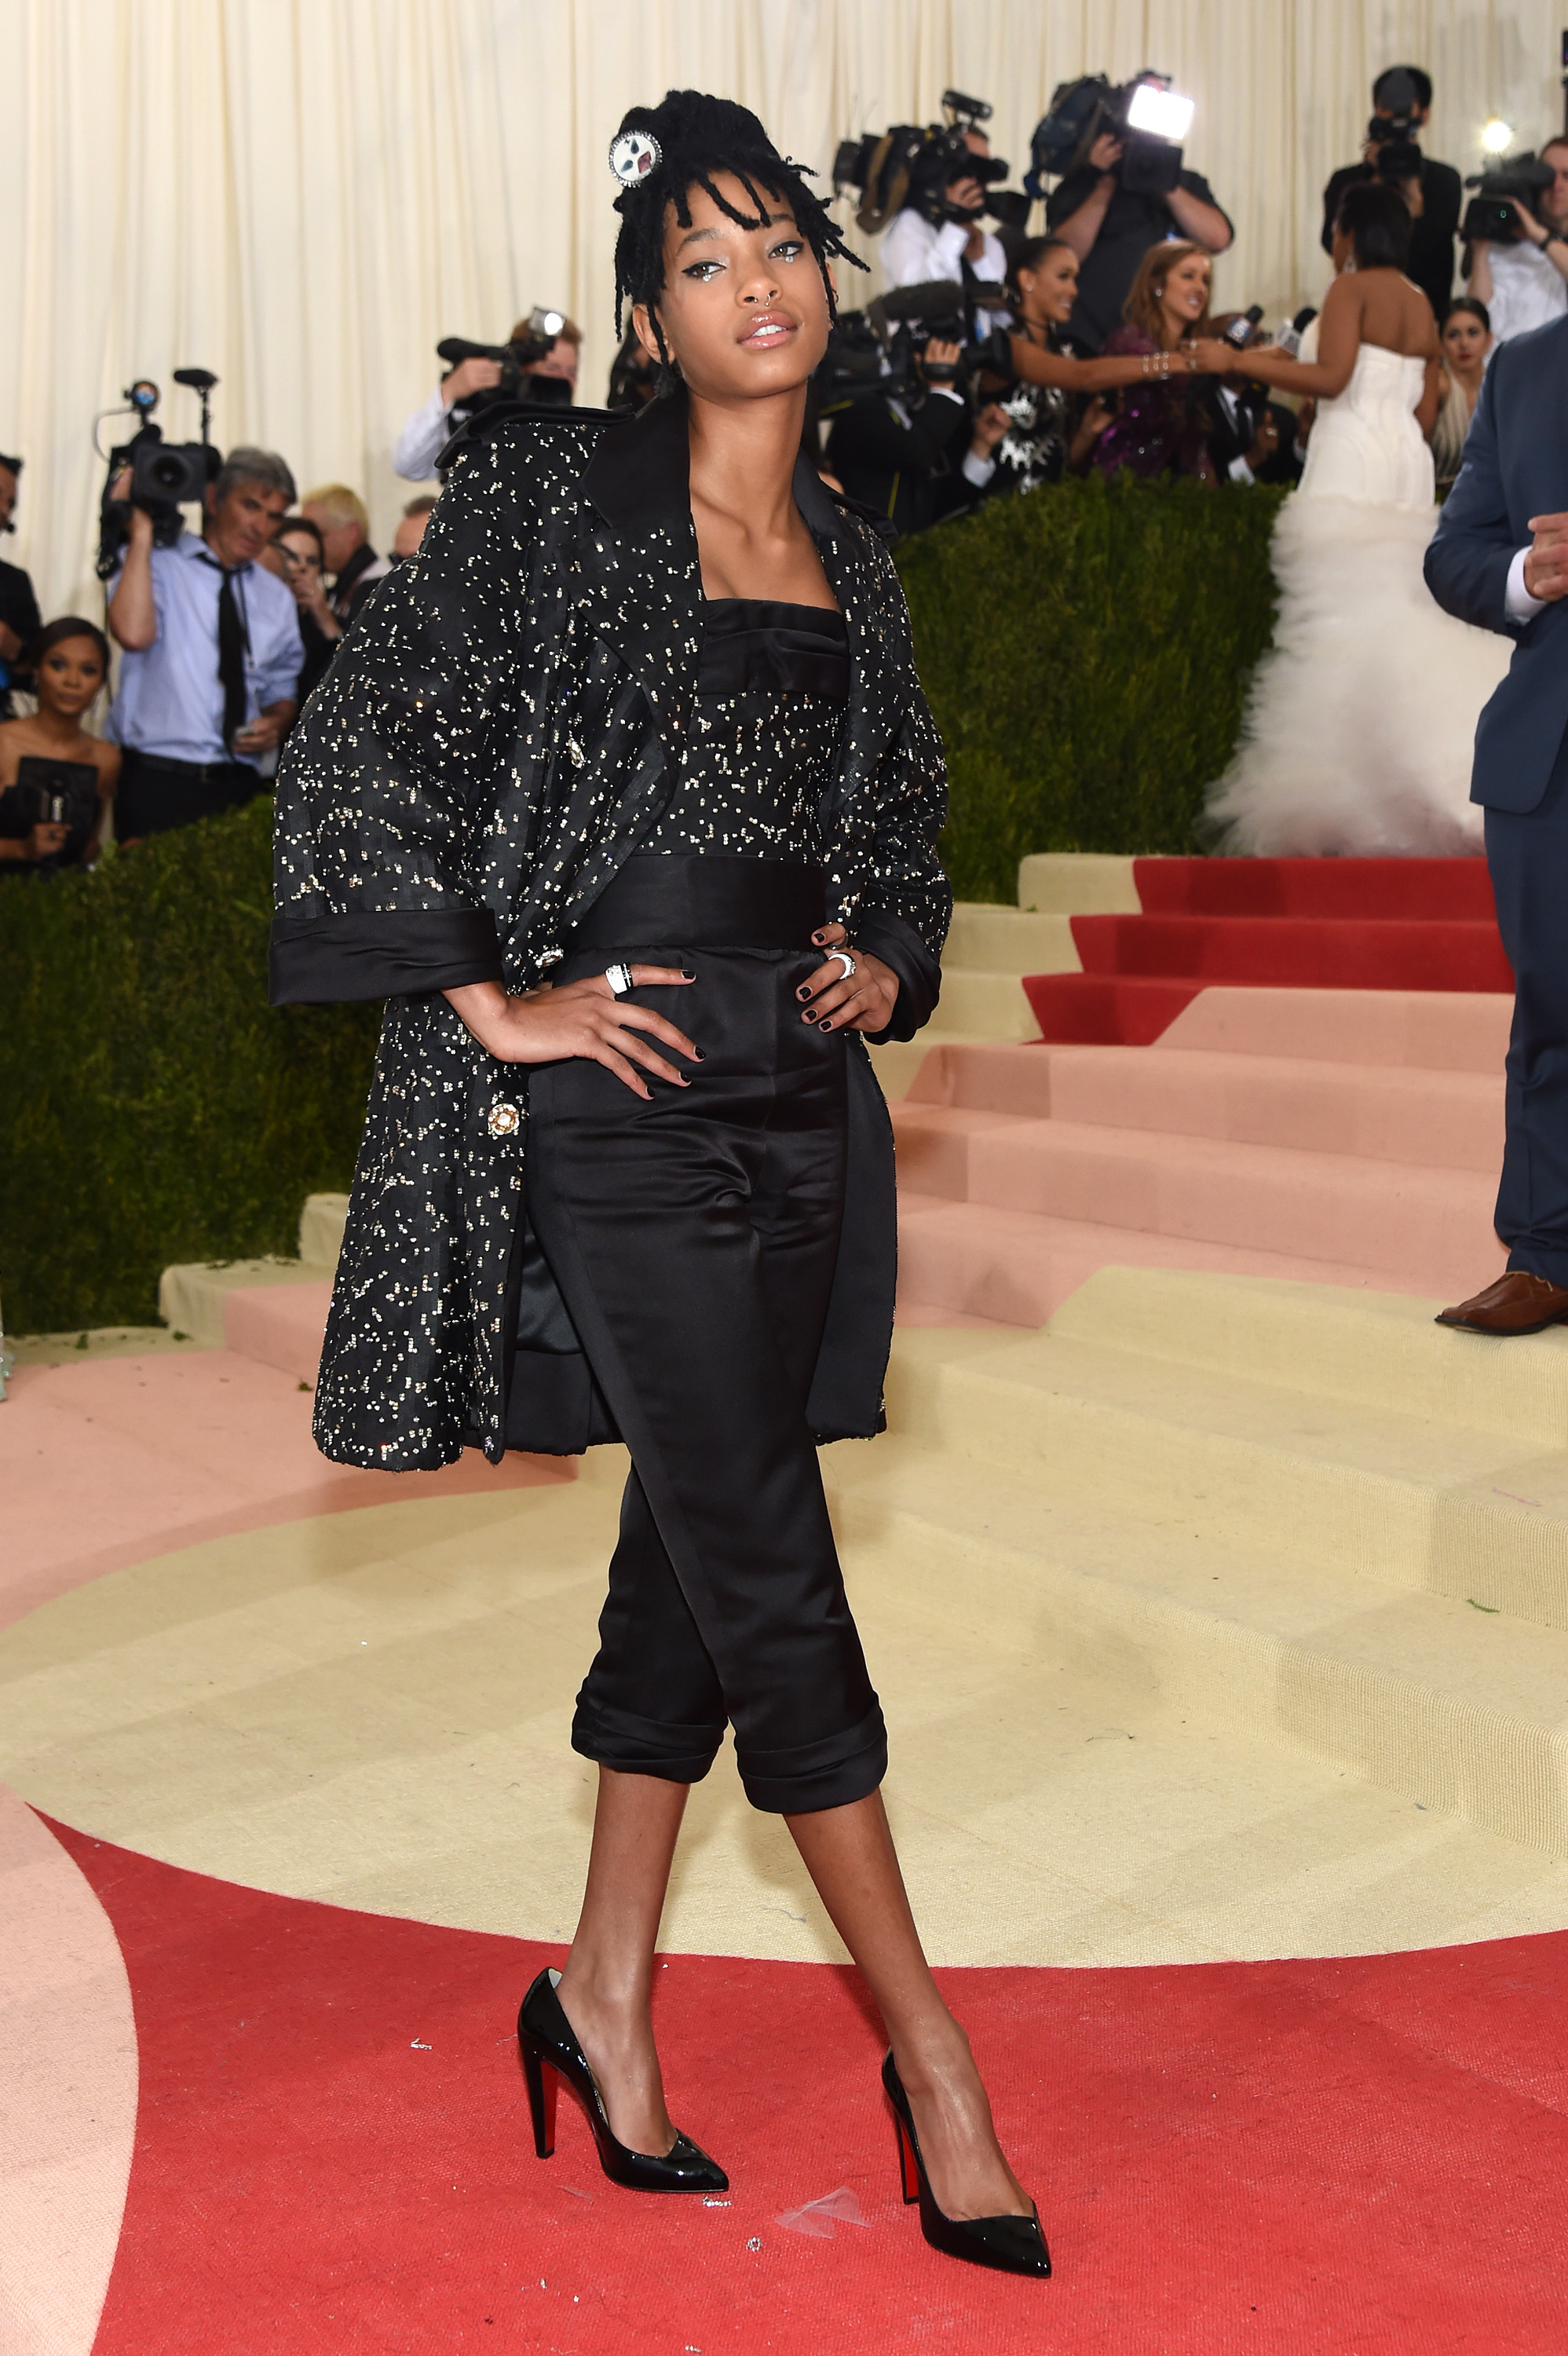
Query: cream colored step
x=321, y=1229
x=1282, y=1474
x=1361, y=1348
x=193, y=1294
x=981, y=1006
x=992, y=938
x=1458, y=1709
x=1078, y=884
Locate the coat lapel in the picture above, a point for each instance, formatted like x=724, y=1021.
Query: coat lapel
x=641, y=584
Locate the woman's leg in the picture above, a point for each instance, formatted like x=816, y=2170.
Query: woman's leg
x=607, y=1979
x=849, y=1854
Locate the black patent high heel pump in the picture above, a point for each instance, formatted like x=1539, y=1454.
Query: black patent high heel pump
x=1014, y=2245
x=552, y=2057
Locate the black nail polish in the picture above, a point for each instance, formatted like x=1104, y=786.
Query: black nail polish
x=827, y=1024
x=700, y=1056
x=803, y=993
x=687, y=975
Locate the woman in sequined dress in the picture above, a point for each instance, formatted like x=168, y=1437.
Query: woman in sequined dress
x=1057, y=404
x=1162, y=425
x=629, y=787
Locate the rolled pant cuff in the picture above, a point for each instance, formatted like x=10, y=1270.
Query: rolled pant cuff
x=832, y=1774
x=1539, y=1259
x=642, y=1746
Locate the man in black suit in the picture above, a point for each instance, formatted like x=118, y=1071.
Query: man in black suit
x=1401, y=101
x=1499, y=559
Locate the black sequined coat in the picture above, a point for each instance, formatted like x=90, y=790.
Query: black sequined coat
x=495, y=739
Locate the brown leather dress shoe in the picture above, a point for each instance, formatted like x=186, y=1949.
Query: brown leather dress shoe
x=1517, y=1304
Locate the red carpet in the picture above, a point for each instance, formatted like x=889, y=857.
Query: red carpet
x=1363, y=2156
x=1334, y=923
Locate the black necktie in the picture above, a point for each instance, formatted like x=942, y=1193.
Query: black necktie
x=230, y=655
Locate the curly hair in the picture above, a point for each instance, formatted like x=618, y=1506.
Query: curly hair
x=698, y=137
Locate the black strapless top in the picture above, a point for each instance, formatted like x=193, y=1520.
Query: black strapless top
x=772, y=686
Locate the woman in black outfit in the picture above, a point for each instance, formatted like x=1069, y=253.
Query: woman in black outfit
x=628, y=787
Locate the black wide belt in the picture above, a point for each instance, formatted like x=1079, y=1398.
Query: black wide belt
x=704, y=903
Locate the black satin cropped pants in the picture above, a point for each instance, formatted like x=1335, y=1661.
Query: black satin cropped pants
x=693, y=1238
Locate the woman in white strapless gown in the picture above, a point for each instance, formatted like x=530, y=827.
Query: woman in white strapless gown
x=1358, y=732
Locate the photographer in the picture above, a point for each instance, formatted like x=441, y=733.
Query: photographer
x=342, y=520
x=427, y=430
x=19, y=615
x=1525, y=284
x=916, y=456
x=71, y=663
x=297, y=557
x=1401, y=101
x=1111, y=227
x=915, y=250
x=212, y=652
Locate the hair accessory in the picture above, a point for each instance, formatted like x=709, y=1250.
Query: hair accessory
x=633, y=155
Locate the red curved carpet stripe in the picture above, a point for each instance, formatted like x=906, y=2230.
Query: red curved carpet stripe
x=332, y=2153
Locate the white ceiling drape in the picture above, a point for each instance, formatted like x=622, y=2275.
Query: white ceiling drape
x=304, y=195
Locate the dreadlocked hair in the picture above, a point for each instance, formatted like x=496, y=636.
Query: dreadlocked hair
x=698, y=137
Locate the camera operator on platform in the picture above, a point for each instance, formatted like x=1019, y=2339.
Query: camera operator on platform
x=916, y=250
x=20, y=620
x=212, y=652
x=1402, y=103
x=1526, y=284
x=426, y=432
x=1111, y=227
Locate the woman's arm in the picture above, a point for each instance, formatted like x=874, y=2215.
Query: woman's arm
x=1038, y=366
x=1338, y=339
x=1432, y=393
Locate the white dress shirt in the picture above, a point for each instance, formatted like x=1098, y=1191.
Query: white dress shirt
x=170, y=698
x=424, y=435
x=1527, y=290
x=915, y=250
x=1517, y=603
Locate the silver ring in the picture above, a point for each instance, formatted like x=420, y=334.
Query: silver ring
x=619, y=978
x=846, y=960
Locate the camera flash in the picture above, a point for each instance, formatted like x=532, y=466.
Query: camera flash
x=552, y=322
x=1162, y=111
x=1496, y=136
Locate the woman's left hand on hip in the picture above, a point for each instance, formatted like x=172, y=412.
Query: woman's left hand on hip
x=837, y=1001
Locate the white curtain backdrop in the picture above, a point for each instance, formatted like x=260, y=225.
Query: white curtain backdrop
x=305, y=195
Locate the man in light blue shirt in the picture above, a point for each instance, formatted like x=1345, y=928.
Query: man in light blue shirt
x=212, y=654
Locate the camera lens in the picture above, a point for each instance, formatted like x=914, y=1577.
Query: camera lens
x=167, y=474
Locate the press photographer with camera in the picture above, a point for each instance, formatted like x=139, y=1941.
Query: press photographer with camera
x=1124, y=187
x=343, y=521
x=1520, y=273
x=1402, y=103
x=914, y=451
x=212, y=648
x=57, y=778
x=538, y=361
x=919, y=247
x=19, y=615
x=297, y=556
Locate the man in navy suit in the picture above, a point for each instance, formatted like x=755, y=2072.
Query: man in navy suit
x=1500, y=558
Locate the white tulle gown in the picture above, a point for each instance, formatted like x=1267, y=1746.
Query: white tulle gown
x=1358, y=732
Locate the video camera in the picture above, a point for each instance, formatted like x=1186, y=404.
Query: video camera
x=543, y=328
x=913, y=166
x=164, y=475
x=1488, y=215
x=1150, y=118
x=879, y=350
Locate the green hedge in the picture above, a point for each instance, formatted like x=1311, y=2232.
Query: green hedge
x=153, y=1108
x=1086, y=650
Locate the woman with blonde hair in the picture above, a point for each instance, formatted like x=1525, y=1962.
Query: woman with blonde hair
x=1162, y=426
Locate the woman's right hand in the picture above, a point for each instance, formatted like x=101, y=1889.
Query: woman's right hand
x=582, y=1019
x=1213, y=356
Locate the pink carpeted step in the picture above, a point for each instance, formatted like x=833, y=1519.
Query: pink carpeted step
x=1449, y=1119
x=971, y=1260
x=1423, y=889
x=1389, y=1216
x=1295, y=952
x=279, y=1326
x=1434, y=1030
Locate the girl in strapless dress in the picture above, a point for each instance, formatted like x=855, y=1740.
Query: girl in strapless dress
x=1358, y=733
